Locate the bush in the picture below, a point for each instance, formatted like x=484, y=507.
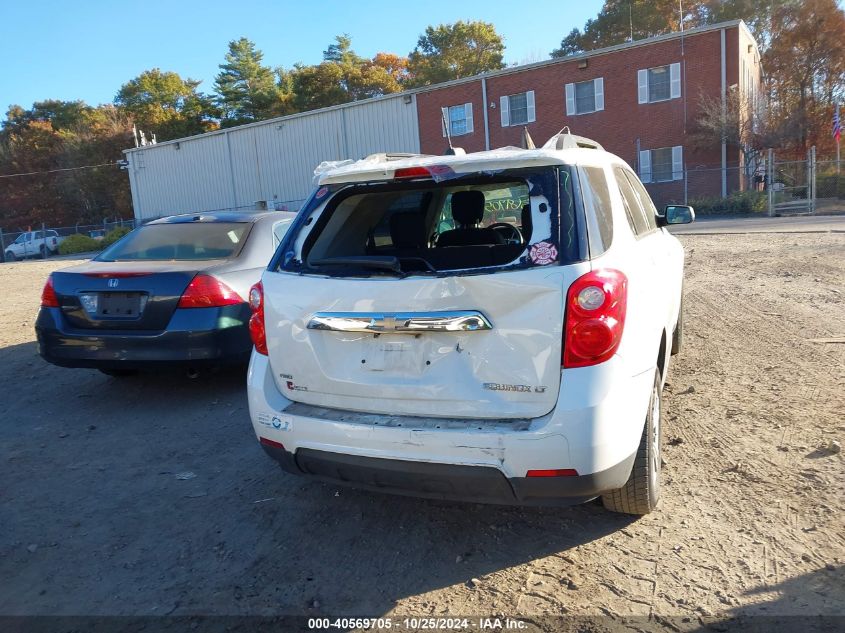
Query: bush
x=737, y=202
x=112, y=236
x=78, y=244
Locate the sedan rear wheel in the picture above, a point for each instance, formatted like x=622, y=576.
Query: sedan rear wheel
x=641, y=492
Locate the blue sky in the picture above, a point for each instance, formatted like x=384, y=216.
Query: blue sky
x=88, y=48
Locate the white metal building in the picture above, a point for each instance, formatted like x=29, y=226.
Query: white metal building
x=270, y=162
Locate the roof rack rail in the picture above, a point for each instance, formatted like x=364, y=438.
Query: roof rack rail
x=567, y=140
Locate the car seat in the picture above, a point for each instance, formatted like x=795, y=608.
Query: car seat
x=468, y=211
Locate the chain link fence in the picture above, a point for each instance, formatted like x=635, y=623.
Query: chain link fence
x=703, y=187
x=830, y=186
x=784, y=187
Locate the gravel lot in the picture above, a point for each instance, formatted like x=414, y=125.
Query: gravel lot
x=99, y=515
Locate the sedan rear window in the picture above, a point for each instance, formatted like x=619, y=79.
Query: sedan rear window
x=179, y=242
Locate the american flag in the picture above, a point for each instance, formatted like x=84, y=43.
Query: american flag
x=837, y=127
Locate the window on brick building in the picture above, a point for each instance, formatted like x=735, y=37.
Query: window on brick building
x=662, y=165
x=517, y=109
x=660, y=83
x=459, y=118
x=585, y=97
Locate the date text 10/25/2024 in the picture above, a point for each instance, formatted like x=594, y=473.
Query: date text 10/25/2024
x=418, y=624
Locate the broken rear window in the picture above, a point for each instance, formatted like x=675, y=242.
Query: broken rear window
x=470, y=222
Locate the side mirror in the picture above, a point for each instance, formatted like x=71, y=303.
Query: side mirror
x=679, y=214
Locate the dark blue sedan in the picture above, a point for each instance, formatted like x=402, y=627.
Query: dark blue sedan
x=171, y=292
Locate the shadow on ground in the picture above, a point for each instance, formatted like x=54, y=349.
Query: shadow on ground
x=801, y=604
x=150, y=495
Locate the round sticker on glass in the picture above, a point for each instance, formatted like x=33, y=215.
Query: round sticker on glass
x=321, y=192
x=542, y=253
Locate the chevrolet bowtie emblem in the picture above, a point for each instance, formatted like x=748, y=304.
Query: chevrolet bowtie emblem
x=384, y=322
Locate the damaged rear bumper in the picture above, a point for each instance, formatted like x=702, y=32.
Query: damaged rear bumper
x=456, y=482
x=461, y=459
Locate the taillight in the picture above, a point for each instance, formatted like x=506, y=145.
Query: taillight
x=438, y=172
x=256, y=322
x=411, y=172
x=206, y=291
x=48, y=295
x=595, y=317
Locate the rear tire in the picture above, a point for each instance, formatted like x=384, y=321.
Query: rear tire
x=678, y=334
x=119, y=373
x=641, y=492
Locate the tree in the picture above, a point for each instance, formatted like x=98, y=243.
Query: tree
x=59, y=114
x=805, y=70
x=394, y=65
x=345, y=76
x=739, y=123
x=623, y=20
x=29, y=146
x=452, y=51
x=247, y=90
x=166, y=104
x=318, y=86
x=757, y=14
x=58, y=135
x=103, y=191
x=626, y=20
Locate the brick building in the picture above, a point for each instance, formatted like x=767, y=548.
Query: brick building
x=639, y=100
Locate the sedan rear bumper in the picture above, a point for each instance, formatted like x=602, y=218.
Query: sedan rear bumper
x=193, y=337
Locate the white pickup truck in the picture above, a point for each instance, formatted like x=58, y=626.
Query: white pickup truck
x=33, y=244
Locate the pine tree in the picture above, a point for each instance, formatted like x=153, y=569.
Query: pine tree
x=246, y=89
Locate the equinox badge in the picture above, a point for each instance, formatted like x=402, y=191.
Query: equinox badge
x=497, y=386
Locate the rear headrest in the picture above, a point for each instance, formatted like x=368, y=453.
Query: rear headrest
x=407, y=230
x=467, y=207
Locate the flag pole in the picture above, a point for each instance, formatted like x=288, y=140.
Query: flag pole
x=838, y=138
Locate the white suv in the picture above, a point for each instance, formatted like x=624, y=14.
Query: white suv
x=493, y=327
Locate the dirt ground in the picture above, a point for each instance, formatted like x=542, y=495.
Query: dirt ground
x=150, y=495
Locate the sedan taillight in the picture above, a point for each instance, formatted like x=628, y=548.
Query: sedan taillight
x=595, y=317
x=257, y=332
x=48, y=295
x=206, y=291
